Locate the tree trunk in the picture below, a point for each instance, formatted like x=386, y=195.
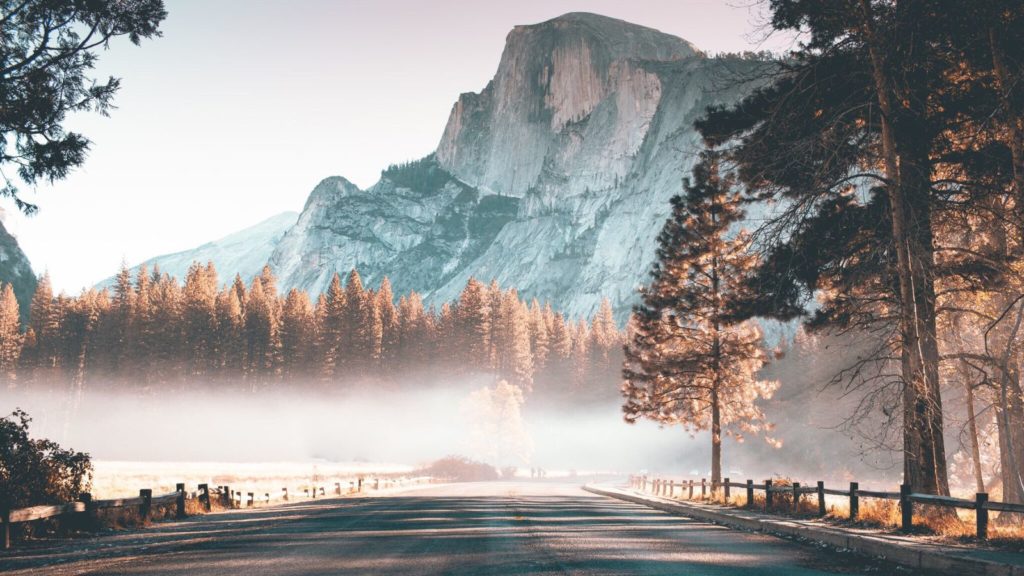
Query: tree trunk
x=972, y=429
x=716, y=440
x=905, y=154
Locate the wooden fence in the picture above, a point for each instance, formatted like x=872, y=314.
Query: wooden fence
x=906, y=499
x=88, y=509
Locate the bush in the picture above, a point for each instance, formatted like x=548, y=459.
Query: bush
x=38, y=471
x=460, y=469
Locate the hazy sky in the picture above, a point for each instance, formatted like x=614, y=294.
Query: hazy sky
x=244, y=105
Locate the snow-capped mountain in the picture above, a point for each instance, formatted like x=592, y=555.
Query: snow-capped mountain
x=244, y=252
x=555, y=178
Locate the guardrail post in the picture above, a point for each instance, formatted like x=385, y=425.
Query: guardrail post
x=726, y=487
x=252, y=499
x=204, y=496
x=906, y=508
x=147, y=504
x=285, y=490
x=981, y=513
x=376, y=483
x=750, y=493
x=703, y=488
x=5, y=516
x=854, y=500
x=767, y=495
x=322, y=491
x=359, y=487
x=796, y=497
x=225, y=495
x=267, y=496
x=690, y=497
x=91, y=513
x=337, y=488
x=821, y=498
x=180, y=502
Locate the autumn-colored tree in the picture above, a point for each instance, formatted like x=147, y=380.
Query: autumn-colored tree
x=472, y=325
x=11, y=338
x=298, y=329
x=687, y=362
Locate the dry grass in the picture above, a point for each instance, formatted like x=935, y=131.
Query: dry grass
x=944, y=524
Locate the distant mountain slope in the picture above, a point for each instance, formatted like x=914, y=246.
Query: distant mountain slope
x=244, y=252
x=16, y=270
x=554, y=179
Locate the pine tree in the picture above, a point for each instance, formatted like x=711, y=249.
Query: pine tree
x=331, y=310
x=390, y=326
x=11, y=338
x=604, y=334
x=45, y=323
x=297, y=336
x=580, y=355
x=687, y=363
x=471, y=328
x=199, y=314
x=539, y=336
x=229, y=348
x=123, y=312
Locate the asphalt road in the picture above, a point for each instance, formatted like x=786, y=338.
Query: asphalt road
x=485, y=528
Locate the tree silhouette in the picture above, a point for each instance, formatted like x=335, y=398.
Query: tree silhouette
x=47, y=51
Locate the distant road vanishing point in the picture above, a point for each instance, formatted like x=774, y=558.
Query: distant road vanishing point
x=477, y=528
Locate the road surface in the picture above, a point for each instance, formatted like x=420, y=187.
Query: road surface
x=471, y=529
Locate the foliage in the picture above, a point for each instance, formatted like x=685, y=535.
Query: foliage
x=885, y=114
x=497, y=431
x=47, y=50
x=687, y=362
x=423, y=175
x=151, y=332
x=460, y=469
x=38, y=471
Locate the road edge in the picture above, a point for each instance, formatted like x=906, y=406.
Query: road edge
x=920, y=556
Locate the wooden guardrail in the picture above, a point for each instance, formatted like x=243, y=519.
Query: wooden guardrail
x=980, y=504
x=224, y=495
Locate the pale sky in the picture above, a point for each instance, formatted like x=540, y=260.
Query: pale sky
x=244, y=105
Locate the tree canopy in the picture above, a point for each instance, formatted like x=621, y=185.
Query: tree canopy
x=48, y=49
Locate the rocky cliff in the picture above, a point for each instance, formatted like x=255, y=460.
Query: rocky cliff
x=16, y=270
x=555, y=178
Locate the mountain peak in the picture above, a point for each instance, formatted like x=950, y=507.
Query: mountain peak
x=614, y=29
x=631, y=40
x=551, y=76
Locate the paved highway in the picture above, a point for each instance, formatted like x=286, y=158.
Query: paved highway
x=472, y=529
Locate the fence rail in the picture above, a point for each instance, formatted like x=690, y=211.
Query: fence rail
x=205, y=495
x=981, y=504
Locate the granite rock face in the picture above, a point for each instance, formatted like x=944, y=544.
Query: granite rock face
x=16, y=270
x=555, y=178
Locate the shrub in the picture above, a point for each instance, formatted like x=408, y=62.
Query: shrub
x=460, y=469
x=38, y=471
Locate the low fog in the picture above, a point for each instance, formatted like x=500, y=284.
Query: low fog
x=417, y=424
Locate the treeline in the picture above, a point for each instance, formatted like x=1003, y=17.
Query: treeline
x=150, y=330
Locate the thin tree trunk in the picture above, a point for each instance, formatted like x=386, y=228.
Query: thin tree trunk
x=972, y=429
x=716, y=440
